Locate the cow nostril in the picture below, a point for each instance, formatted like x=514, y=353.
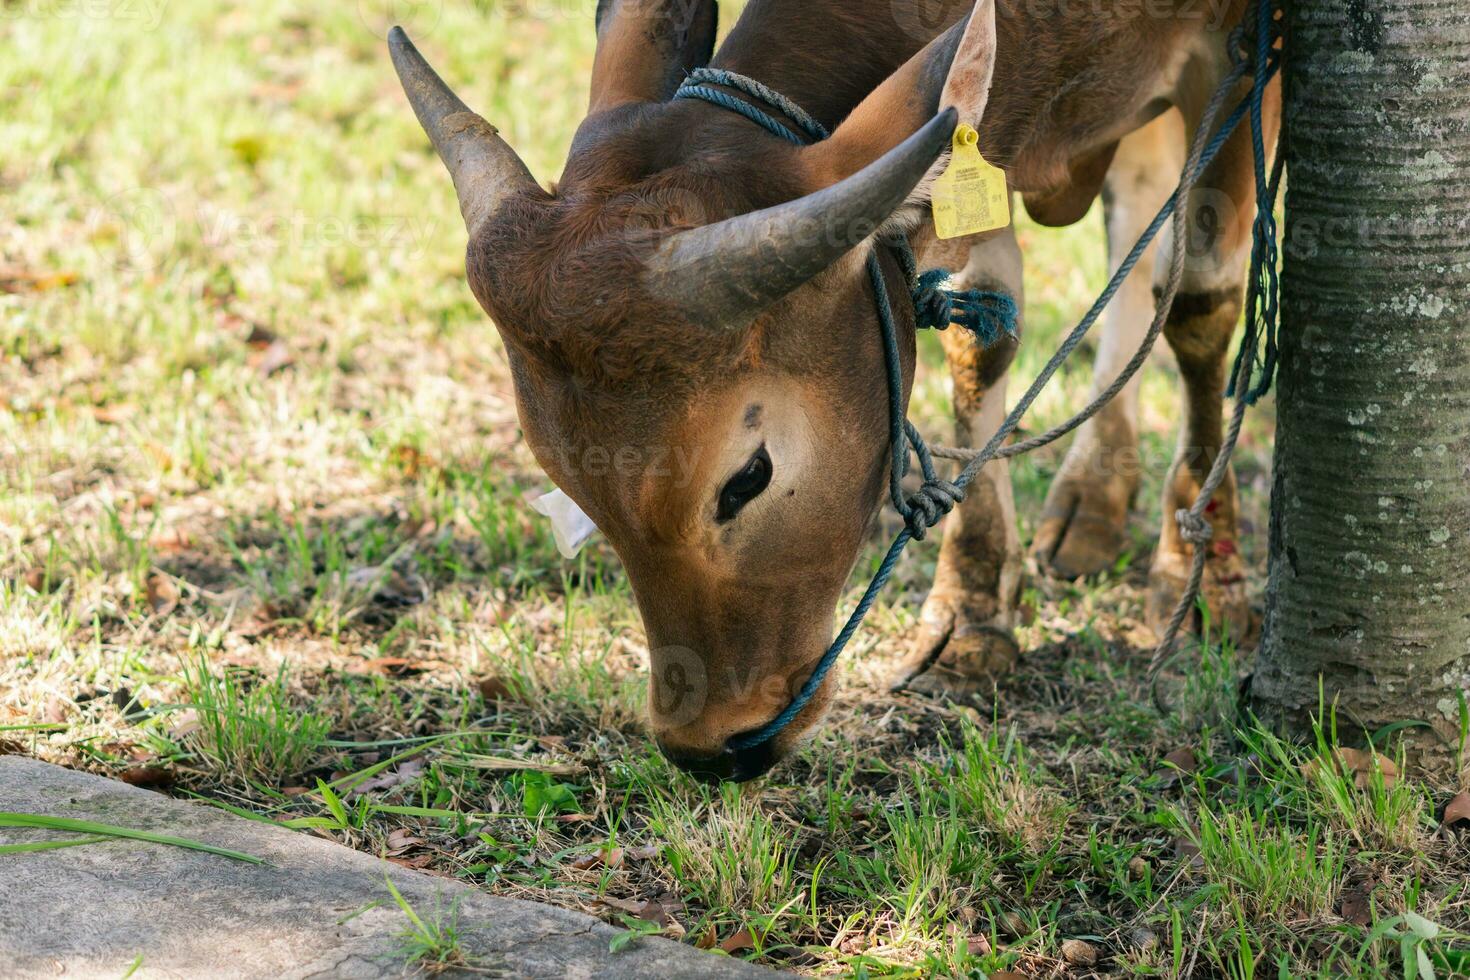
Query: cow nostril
x=706, y=768
x=753, y=761
x=731, y=765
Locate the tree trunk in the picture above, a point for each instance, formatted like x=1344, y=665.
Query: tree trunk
x=1370, y=512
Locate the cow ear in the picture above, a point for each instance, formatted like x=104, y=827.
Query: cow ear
x=646, y=47
x=953, y=70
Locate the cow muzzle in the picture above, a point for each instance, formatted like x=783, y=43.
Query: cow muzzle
x=731, y=765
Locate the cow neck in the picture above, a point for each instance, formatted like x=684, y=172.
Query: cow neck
x=816, y=53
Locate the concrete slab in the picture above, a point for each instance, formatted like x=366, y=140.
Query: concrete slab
x=91, y=911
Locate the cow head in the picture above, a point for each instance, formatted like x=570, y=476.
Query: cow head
x=695, y=352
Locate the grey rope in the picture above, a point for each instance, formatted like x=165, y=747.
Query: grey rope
x=1261, y=319
x=1193, y=527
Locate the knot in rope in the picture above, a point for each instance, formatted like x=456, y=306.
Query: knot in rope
x=1193, y=528
x=1245, y=40
x=985, y=314
x=929, y=504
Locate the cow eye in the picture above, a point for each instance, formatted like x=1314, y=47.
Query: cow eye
x=744, y=486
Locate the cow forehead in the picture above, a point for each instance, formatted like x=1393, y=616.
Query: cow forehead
x=650, y=463
x=611, y=447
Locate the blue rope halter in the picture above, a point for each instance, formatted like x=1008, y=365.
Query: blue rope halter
x=989, y=315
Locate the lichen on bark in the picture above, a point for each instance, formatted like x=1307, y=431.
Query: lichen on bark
x=1369, y=587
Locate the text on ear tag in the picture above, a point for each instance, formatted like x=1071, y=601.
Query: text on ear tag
x=970, y=196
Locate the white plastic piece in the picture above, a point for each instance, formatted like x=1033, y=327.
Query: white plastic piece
x=569, y=525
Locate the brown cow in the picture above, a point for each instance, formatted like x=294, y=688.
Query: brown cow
x=693, y=291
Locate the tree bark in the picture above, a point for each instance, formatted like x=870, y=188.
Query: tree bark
x=1370, y=522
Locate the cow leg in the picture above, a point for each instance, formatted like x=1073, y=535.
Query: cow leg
x=1084, y=521
x=1201, y=323
x=964, y=638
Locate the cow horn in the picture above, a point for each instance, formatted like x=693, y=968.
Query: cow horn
x=485, y=169
x=726, y=273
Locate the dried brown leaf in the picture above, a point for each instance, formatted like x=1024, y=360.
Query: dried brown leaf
x=160, y=455
x=495, y=689
x=1176, y=765
x=413, y=461
x=277, y=91
x=393, y=666
x=273, y=358
x=645, y=909
x=1357, y=906
x=602, y=858
x=39, y=582
x=630, y=905
x=1457, y=811
x=184, y=724
x=644, y=852
x=407, y=772
x=400, y=842
x=418, y=862
x=170, y=540
x=148, y=777
x=1359, y=764
x=1079, y=952
x=114, y=414
x=260, y=337
x=1182, y=759
x=741, y=942
x=26, y=281
x=162, y=594
x=54, y=711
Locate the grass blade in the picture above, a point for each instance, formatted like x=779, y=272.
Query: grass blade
x=37, y=821
x=48, y=845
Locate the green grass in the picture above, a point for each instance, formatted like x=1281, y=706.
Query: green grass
x=95, y=830
x=429, y=945
x=251, y=727
x=264, y=530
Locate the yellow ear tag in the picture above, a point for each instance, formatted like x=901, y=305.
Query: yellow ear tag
x=970, y=196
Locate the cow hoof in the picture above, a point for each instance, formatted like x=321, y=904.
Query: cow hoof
x=1084, y=524
x=1223, y=589
x=956, y=657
